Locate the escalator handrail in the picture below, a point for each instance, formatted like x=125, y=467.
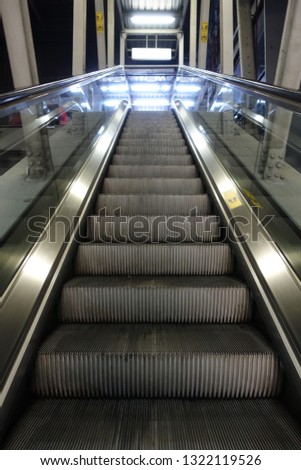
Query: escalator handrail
x=285, y=97
x=27, y=94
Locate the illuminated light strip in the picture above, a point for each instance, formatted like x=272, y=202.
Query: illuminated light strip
x=151, y=53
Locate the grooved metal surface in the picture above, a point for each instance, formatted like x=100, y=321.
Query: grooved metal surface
x=154, y=204
x=152, y=142
x=154, y=229
x=152, y=160
x=152, y=171
x=154, y=150
x=150, y=259
x=149, y=361
x=155, y=424
x=216, y=299
x=152, y=186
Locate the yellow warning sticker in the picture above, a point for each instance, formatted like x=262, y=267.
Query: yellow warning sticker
x=232, y=200
x=99, y=22
x=252, y=199
x=204, y=31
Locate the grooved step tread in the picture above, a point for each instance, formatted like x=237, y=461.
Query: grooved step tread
x=155, y=424
x=146, y=150
x=152, y=171
x=141, y=360
x=152, y=160
x=153, y=259
x=154, y=229
x=152, y=186
x=154, y=204
x=155, y=299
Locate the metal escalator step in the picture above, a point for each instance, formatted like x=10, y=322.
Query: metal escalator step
x=152, y=160
x=152, y=186
x=261, y=424
x=147, y=150
x=149, y=299
x=154, y=229
x=152, y=171
x=156, y=361
x=152, y=141
x=147, y=134
x=153, y=259
x=154, y=204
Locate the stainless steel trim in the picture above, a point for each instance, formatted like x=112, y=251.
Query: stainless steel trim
x=284, y=286
x=290, y=99
x=36, y=274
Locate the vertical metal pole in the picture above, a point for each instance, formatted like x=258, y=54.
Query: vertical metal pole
x=19, y=42
x=122, y=47
x=245, y=36
x=79, y=37
x=111, y=32
x=100, y=34
x=193, y=33
x=204, y=24
x=181, y=48
x=226, y=28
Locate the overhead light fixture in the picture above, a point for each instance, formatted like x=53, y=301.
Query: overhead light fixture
x=187, y=88
x=149, y=102
x=151, y=53
x=145, y=87
x=115, y=88
x=160, y=20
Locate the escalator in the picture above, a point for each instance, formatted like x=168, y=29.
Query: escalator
x=157, y=343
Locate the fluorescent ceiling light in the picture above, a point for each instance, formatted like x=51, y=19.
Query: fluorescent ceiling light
x=115, y=88
x=165, y=87
x=145, y=87
x=153, y=20
x=151, y=102
x=111, y=103
x=151, y=53
x=187, y=88
x=188, y=103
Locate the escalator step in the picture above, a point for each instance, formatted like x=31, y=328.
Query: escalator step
x=188, y=299
x=156, y=361
x=152, y=141
x=155, y=424
x=154, y=204
x=153, y=171
x=154, y=229
x=152, y=186
x=153, y=259
x=152, y=160
x=155, y=150
x=146, y=134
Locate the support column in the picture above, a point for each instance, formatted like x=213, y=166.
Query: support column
x=288, y=74
x=246, y=42
x=100, y=34
x=204, y=25
x=18, y=35
x=226, y=28
x=79, y=37
x=122, y=48
x=111, y=33
x=193, y=33
x=181, y=48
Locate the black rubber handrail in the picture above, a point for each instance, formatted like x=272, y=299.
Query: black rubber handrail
x=284, y=97
x=26, y=94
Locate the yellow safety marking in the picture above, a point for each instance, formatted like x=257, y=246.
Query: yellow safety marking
x=252, y=199
x=99, y=22
x=232, y=200
x=204, y=31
